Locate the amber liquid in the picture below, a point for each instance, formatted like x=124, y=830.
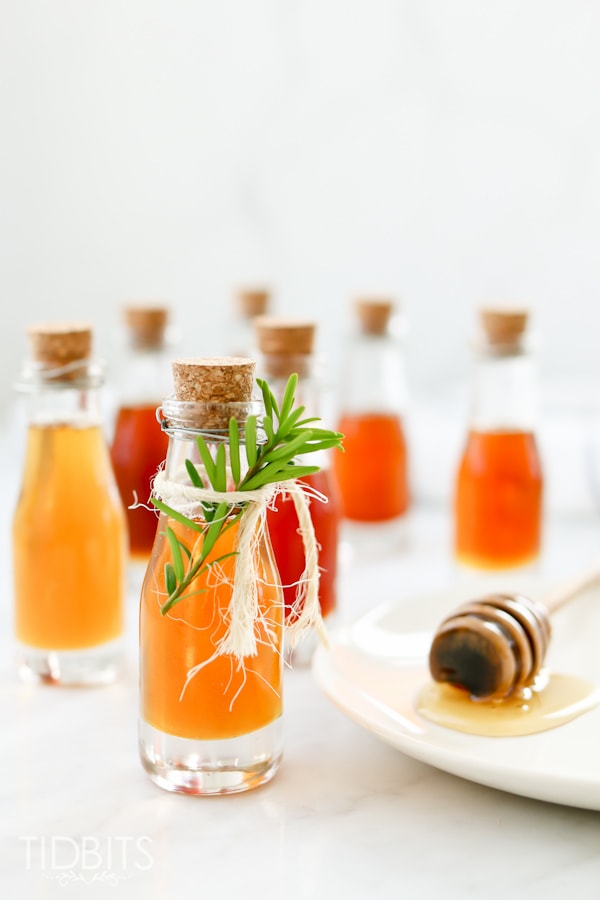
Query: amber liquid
x=223, y=699
x=372, y=472
x=498, y=500
x=69, y=542
x=288, y=547
x=550, y=701
x=139, y=447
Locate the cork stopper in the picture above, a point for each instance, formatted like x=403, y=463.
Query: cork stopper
x=374, y=315
x=55, y=345
x=503, y=328
x=285, y=344
x=146, y=325
x=253, y=302
x=213, y=382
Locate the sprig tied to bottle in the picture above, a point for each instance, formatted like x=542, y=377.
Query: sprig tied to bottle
x=270, y=459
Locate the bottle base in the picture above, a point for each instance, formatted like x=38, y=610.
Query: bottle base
x=89, y=666
x=227, y=766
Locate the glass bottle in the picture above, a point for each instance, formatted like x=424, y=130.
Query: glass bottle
x=139, y=445
x=69, y=528
x=286, y=346
x=372, y=473
x=210, y=723
x=499, y=484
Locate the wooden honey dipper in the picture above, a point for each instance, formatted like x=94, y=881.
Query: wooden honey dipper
x=496, y=644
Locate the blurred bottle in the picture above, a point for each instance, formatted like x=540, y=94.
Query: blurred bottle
x=69, y=528
x=139, y=445
x=499, y=485
x=249, y=304
x=286, y=347
x=372, y=473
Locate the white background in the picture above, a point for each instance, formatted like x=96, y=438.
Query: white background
x=444, y=152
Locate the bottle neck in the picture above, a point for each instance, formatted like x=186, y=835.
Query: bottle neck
x=373, y=375
x=504, y=395
x=276, y=369
x=144, y=375
x=77, y=406
x=183, y=421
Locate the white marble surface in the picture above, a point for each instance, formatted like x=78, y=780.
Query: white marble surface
x=346, y=816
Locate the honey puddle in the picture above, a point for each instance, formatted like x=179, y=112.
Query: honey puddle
x=550, y=701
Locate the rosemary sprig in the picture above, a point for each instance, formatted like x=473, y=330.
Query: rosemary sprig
x=288, y=436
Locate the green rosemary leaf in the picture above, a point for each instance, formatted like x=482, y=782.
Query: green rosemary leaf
x=268, y=427
x=173, y=514
x=251, y=448
x=288, y=397
x=297, y=472
x=209, y=511
x=194, y=474
x=304, y=422
x=266, y=395
x=324, y=444
x=170, y=579
x=272, y=400
x=326, y=433
x=207, y=460
x=220, y=482
x=214, y=530
x=289, y=449
x=234, y=450
x=290, y=423
x=176, y=554
x=272, y=474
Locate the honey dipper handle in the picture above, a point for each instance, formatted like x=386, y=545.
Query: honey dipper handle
x=560, y=596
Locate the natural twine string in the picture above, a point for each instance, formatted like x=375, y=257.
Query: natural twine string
x=240, y=639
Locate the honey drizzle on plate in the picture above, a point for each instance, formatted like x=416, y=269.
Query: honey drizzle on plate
x=551, y=700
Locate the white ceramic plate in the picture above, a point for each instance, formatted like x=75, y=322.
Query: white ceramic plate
x=377, y=665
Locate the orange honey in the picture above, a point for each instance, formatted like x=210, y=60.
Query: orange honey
x=498, y=500
x=372, y=472
x=224, y=699
x=69, y=542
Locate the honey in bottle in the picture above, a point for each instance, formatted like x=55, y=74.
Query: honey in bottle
x=286, y=346
x=139, y=445
x=69, y=528
x=499, y=484
x=210, y=723
x=372, y=473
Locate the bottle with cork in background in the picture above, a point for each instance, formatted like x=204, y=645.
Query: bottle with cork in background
x=212, y=613
x=499, y=484
x=69, y=528
x=139, y=445
x=286, y=346
x=372, y=473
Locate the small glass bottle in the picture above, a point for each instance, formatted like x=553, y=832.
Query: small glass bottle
x=210, y=722
x=139, y=445
x=499, y=484
x=372, y=473
x=286, y=346
x=69, y=528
